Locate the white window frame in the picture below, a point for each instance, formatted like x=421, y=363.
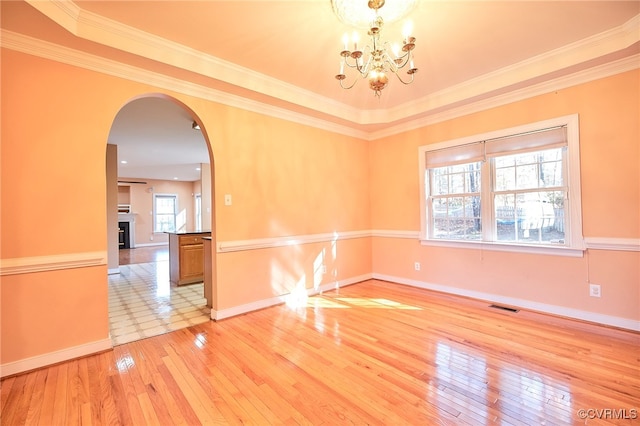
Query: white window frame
x=574, y=241
x=175, y=212
x=198, y=211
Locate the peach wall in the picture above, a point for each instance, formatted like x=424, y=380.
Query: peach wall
x=45, y=311
x=609, y=111
x=286, y=179
x=141, y=199
x=290, y=268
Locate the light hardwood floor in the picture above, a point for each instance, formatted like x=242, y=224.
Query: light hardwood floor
x=371, y=353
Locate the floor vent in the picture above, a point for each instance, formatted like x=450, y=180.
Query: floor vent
x=504, y=308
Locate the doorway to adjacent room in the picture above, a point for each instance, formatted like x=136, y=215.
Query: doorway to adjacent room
x=143, y=302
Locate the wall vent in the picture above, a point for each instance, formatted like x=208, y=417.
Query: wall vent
x=504, y=308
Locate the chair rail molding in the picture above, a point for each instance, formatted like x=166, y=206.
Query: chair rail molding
x=616, y=244
x=27, y=265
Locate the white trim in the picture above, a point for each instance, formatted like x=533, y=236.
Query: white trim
x=389, y=233
x=574, y=238
x=97, y=28
x=108, y=32
x=589, y=49
x=176, y=209
x=113, y=271
x=277, y=300
x=581, y=77
x=616, y=244
x=153, y=244
x=27, y=265
x=610, y=320
x=76, y=58
x=262, y=243
x=434, y=108
x=55, y=357
x=513, y=248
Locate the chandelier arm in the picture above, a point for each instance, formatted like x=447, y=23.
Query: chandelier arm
x=393, y=65
x=355, y=80
x=402, y=60
x=409, y=81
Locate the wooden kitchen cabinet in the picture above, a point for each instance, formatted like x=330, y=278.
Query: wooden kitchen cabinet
x=186, y=257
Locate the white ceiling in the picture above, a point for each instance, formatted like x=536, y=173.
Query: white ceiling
x=280, y=58
x=156, y=139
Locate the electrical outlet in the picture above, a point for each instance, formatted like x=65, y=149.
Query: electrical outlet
x=416, y=266
x=150, y=237
x=324, y=269
x=227, y=199
x=594, y=290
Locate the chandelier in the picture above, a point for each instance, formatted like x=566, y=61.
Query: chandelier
x=374, y=62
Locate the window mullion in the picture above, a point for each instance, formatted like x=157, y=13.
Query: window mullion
x=486, y=201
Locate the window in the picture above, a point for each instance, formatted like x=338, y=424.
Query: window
x=514, y=188
x=165, y=207
x=198, y=202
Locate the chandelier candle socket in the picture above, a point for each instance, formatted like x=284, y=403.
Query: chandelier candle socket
x=374, y=61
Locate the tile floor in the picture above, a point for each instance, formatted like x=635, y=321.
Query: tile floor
x=143, y=303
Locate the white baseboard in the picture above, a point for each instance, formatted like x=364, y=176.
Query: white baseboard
x=113, y=271
x=50, y=358
x=166, y=243
x=520, y=303
x=277, y=300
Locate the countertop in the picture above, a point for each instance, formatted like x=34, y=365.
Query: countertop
x=188, y=232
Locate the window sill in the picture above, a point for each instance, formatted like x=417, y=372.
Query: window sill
x=508, y=247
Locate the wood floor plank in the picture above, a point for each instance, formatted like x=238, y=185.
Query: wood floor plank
x=203, y=407
x=148, y=412
x=74, y=384
x=33, y=411
x=48, y=397
x=5, y=390
x=372, y=353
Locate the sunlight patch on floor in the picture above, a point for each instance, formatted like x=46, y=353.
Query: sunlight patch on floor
x=366, y=302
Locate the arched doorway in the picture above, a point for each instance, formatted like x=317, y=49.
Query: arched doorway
x=160, y=181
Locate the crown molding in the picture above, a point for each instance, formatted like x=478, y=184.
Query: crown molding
x=97, y=28
x=54, y=52
x=93, y=26
x=580, y=77
x=108, y=32
x=582, y=51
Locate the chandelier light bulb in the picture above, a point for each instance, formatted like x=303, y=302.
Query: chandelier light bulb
x=395, y=49
x=407, y=29
x=356, y=39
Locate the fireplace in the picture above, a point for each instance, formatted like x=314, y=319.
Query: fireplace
x=126, y=230
x=124, y=237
